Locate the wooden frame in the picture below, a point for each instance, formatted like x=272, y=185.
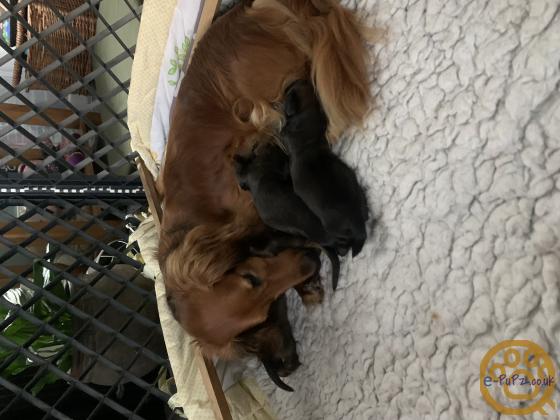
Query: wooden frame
x=58, y=115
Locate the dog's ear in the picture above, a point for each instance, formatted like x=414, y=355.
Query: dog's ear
x=218, y=341
x=205, y=255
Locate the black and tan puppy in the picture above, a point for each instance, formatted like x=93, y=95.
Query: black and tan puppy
x=266, y=174
x=327, y=186
x=273, y=343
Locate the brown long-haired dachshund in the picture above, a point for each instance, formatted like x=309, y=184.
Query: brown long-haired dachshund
x=236, y=78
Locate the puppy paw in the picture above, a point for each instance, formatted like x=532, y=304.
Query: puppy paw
x=311, y=292
x=313, y=298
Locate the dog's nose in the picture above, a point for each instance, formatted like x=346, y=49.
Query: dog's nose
x=342, y=250
x=289, y=366
x=312, y=253
x=312, y=261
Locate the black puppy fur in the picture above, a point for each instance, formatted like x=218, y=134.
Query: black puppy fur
x=278, y=361
x=267, y=176
x=327, y=186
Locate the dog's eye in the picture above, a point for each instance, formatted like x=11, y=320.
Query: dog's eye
x=254, y=280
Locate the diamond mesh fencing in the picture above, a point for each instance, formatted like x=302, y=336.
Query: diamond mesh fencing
x=79, y=332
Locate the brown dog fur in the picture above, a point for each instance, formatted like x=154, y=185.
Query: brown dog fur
x=238, y=73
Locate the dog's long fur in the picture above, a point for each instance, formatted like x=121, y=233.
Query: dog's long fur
x=237, y=74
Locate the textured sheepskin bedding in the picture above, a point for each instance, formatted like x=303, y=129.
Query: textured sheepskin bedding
x=461, y=160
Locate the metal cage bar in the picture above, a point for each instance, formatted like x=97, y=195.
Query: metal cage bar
x=65, y=224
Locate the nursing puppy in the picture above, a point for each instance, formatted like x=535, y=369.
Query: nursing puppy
x=327, y=186
x=273, y=343
x=266, y=174
x=225, y=104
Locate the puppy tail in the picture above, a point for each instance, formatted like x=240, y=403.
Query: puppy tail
x=338, y=65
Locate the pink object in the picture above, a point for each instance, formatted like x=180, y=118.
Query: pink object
x=26, y=170
x=74, y=158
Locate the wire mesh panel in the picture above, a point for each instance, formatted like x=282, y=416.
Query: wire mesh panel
x=79, y=331
x=63, y=91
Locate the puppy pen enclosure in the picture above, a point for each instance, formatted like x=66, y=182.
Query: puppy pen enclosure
x=79, y=333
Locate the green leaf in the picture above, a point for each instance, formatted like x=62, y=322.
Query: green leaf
x=41, y=309
x=63, y=363
x=4, y=352
x=58, y=290
x=46, y=379
x=19, y=331
x=172, y=71
x=17, y=366
x=3, y=310
x=64, y=324
x=38, y=278
x=172, y=82
x=46, y=341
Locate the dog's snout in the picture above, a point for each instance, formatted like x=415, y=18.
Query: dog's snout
x=287, y=366
x=312, y=253
x=293, y=363
x=311, y=261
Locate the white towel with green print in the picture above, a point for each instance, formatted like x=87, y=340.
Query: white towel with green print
x=177, y=49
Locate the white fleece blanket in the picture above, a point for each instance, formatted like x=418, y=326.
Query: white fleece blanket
x=461, y=160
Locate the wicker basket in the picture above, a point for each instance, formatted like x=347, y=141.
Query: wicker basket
x=21, y=37
x=40, y=16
